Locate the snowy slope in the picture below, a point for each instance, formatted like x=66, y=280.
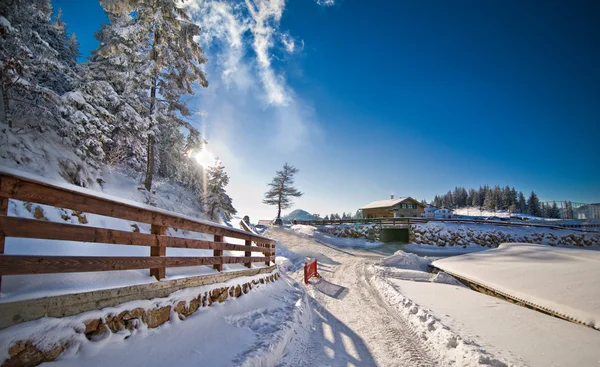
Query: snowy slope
x=563, y=280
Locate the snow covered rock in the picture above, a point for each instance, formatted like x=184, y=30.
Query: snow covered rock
x=488, y=235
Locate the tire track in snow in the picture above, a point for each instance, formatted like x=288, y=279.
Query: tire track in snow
x=406, y=338
x=359, y=328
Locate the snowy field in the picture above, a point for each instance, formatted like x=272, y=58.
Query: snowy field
x=563, y=280
x=470, y=323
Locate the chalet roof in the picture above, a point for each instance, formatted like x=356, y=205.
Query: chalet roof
x=387, y=203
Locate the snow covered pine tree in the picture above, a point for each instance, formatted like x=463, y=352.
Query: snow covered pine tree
x=171, y=63
x=37, y=65
x=217, y=201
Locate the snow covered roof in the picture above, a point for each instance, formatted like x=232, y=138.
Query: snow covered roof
x=386, y=203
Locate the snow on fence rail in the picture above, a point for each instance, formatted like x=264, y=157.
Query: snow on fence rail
x=18, y=186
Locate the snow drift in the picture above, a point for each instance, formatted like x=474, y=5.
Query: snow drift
x=564, y=281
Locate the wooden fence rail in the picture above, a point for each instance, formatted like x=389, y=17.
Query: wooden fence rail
x=28, y=188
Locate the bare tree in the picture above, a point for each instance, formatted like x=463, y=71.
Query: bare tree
x=282, y=190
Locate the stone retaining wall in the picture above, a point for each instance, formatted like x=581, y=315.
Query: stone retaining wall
x=368, y=231
x=25, y=352
x=452, y=234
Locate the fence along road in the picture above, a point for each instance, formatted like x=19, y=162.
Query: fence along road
x=416, y=220
x=19, y=186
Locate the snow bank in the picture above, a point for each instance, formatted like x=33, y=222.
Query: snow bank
x=287, y=260
x=404, y=260
x=489, y=235
x=304, y=229
x=565, y=281
x=451, y=348
x=440, y=251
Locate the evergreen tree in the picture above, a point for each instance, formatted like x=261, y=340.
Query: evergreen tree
x=482, y=195
x=217, y=201
x=544, y=210
x=533, y=205
x=490, y=200
x=109, y=99
x=37, y=63
x=568, y=211
x=554, y=211
x=282, y=190
x=507, y=200
x=326, y=217
x=170, y=58
x=521, y=203
x=460, y=197
x=473, y=199
x=448, y=200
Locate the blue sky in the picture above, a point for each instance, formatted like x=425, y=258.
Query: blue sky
x=407, y=97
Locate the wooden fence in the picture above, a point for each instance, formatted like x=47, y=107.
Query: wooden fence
x=18, y=186
x=415, y=220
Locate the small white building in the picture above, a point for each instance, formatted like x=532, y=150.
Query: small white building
x=430, y=212
x=442, y=213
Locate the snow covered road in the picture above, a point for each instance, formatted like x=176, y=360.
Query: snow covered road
x=353, y=325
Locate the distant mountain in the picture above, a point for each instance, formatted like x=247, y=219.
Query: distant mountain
x=299, y=214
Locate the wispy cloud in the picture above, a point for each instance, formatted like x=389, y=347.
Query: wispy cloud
x=252, y=113
x=288, y=43
x=325, y=2
x=241, y=40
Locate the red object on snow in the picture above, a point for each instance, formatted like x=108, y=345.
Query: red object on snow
x=310, y=270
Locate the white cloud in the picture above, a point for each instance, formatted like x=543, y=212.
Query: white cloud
x=288, y=43
x=325, y=2
x=254, y=120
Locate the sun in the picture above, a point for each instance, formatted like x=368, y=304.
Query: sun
x=205, y=158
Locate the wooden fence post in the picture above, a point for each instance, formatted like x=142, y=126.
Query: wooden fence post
x=3, y=211
x=218, y=267
x=160, y=251
x=248, y=253
x=269, y=253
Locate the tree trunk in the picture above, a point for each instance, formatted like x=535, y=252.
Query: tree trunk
x=7, y=115
x=279, y=203
x=150, y=164
x=151, y=142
